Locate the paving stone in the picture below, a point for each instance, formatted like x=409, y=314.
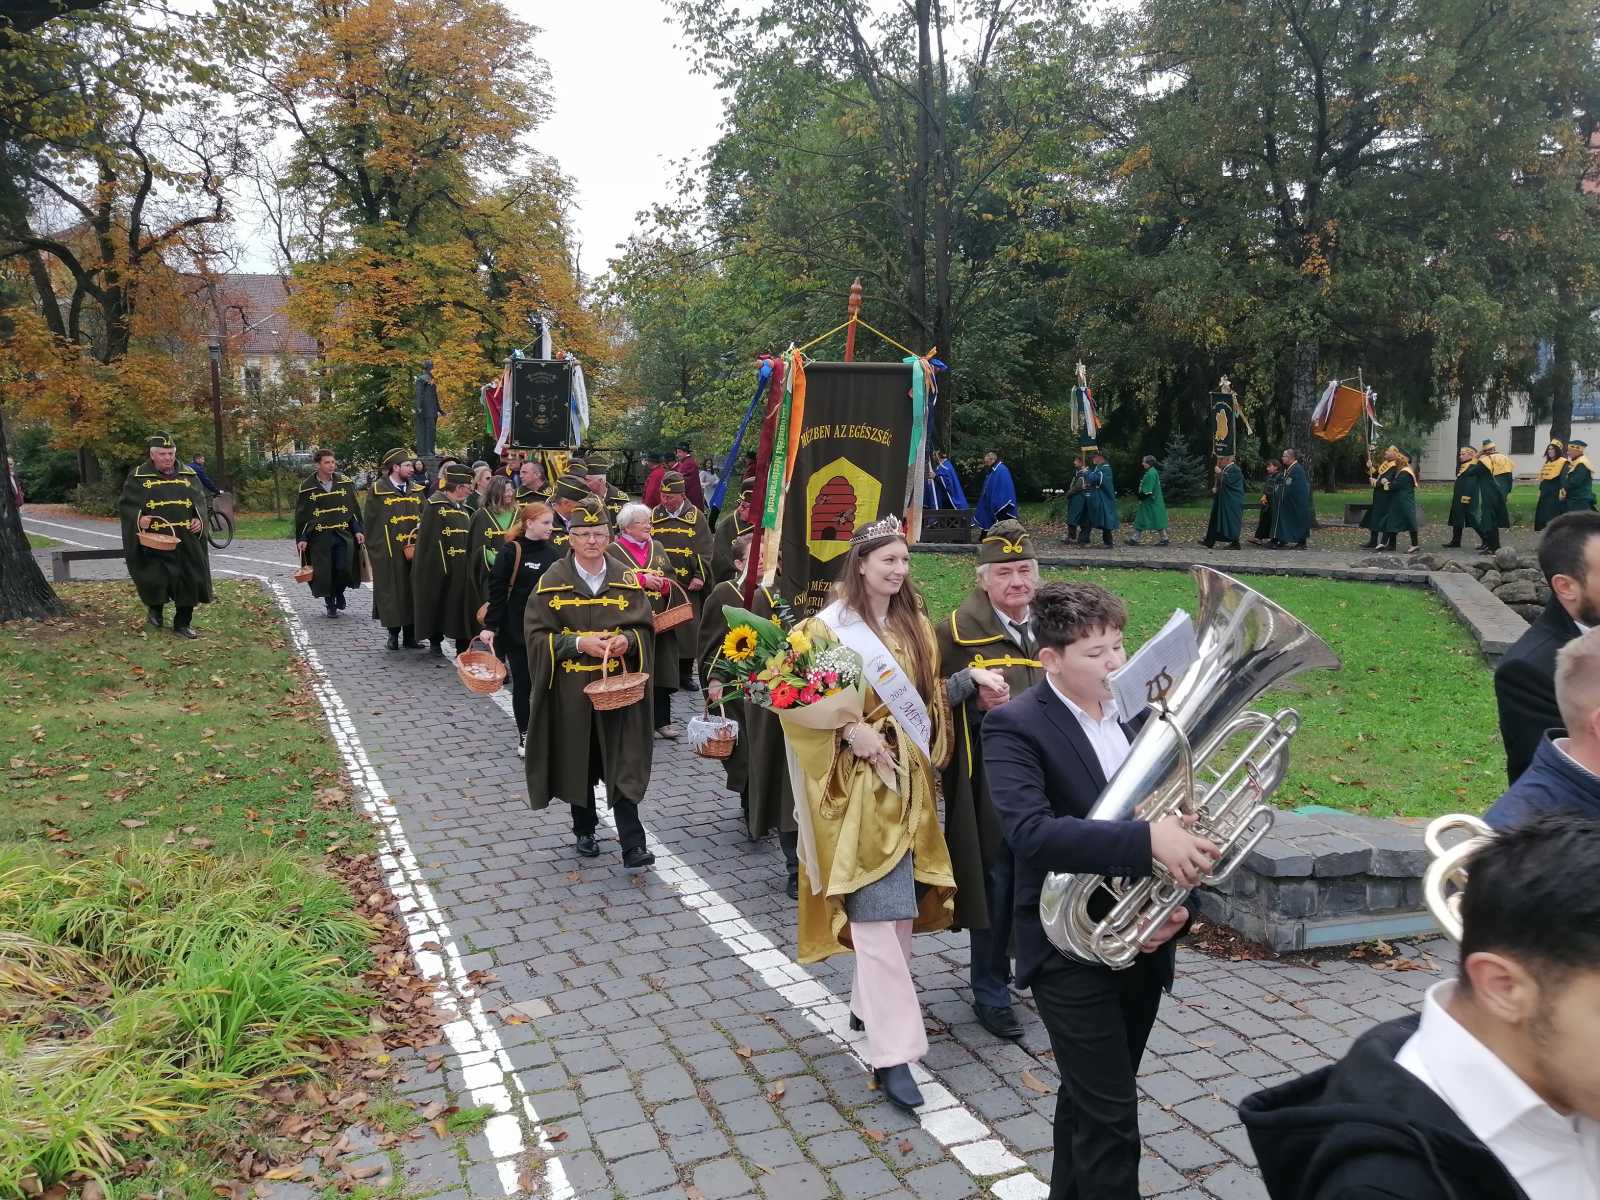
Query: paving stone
x=1234, y=1182
x=860, y=1180
x=643, y=1173
x=941, y=1181
x=832, y=1149
x=631, y=1139
x=665, y=1083
x=769, y=1148
x=1184, y=1150
x=721, y=1179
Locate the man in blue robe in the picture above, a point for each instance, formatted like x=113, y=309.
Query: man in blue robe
x=1100, y=508
x=999, y=499
x=946, y=483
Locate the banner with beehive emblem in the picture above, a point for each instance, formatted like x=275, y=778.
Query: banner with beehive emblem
x=849, y=471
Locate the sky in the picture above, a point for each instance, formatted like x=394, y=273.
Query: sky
x=627, y=110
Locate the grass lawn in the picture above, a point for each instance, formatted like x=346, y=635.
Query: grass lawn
x=175, y=933
x=1407, y=728
x=263, y=525
x=39, y=542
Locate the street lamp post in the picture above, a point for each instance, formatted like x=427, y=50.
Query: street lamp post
x=216, y=405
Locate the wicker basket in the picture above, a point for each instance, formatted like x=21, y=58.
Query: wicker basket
x=410, y=551
x=712, y=737
x=677, y=614
x=480, y=670
x=304, y=573
x=612, y=692
x=157, y=541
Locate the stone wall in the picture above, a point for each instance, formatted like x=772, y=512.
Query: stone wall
x=1326, y=879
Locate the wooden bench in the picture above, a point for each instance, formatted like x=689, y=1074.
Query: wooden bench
x=1354, y=512
x=61, y=561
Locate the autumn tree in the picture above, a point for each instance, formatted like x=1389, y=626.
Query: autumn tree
x=400, y=111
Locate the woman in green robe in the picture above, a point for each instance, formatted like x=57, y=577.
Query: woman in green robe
x=1552, y=481
x=1400, y=513
x=1579, y=491
x=486, y=536
x=1152, y=514
x=1377, y=516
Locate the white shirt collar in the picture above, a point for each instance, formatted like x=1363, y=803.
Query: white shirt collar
x=596, y=580
x=1108, y=707
x=1007, y=623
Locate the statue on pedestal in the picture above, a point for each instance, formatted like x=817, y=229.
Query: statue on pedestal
x=425, y=409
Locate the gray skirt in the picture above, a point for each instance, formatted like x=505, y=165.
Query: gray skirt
x=892, y=898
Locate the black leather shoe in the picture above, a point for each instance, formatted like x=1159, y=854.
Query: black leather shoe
x=793, y=887
x=897, y=1086
x=154, y=620
x=1000, y=1020
x=856, y=1024
x=587, y=846
x=184, y=631
x=338, y=601
x=639, y=856
x=436, y=649
x=394, y=641
x=332, y=611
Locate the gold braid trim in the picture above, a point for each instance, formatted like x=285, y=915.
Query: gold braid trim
x=1008, y=660
x=618, y=602
x=570, y=664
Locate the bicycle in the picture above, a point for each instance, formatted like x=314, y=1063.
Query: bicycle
x=219, y=521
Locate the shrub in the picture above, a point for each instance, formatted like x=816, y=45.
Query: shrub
x=47, y=475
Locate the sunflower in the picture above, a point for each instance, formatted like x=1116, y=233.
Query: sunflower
x=740, y=643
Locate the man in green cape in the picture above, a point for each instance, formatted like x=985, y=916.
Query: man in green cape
x=1227, y=506
x=1398, y=482
x=1552, y=483
x=162, y=496
x=569, y=492
x=392, y=515
x=440, y=571
x=1580, y=478
x=731, y=527
x=1291, y=517
x=680, y=528
x=588, y=619
x=987, y=655
x=1477, y=502
x=328, y=533
x=1151, y=516
x=595, y=468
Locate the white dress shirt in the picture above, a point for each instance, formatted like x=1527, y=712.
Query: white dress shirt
x=597, y=581
x=1551, y=1157
x=1014, y=629
x=1105, y=735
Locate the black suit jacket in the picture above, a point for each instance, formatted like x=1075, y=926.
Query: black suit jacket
x=1044, y=778
x=1525, y=686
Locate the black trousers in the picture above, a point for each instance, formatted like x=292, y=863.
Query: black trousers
x=181, y=615
x=630, y=830
x=1085, y=530
x=1098, y=1021
x=661, y=700
x=516, y=660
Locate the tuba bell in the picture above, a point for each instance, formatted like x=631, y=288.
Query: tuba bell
x=1184, y=761
x=1445, y=880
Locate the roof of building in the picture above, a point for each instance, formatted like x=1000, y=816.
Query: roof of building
x=254, y=315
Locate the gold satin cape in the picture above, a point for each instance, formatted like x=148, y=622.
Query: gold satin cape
x=864, y=828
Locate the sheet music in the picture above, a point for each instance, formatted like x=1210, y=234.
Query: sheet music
x=1165, y=657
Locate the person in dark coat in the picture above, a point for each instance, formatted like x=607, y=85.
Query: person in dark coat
x=1077, y=498
x=1552, y=484
x=998, y=499
x=1564, y=775
x=393, y=513
x=160, y=496
x=1524, y=679
x=684, y=464
x=327, y=532
x=589, y=618
x=1492, y=1092
x=1100, y=509
x=1292, y=514
x=730, y=528
x=679, y=526
x=440, y=572
x=1270, y=486
x=1578, y=495
x=516, y=572
x=1399, y=515
x=1227, y=506
x=986, y=655
x=1048, y=755
x=1377, y=513
x=197, y=464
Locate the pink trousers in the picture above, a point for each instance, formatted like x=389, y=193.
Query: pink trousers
x=883, y=995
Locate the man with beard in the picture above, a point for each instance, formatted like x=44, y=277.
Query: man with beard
x=393, y=513
x=1524, y=679
x=589, y=617
x=1291, y=517
x=986, y=656
x=440, y=572
x=680, y=529
x=159, y=496
x=327, y=532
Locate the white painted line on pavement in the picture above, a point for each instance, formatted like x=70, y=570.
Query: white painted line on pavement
x=473, y=1036
x=971, y=1142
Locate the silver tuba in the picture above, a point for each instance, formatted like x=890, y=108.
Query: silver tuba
x=1446, y=878
x=1246, y=644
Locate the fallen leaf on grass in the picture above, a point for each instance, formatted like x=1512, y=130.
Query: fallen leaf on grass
x=292, y=1171
x=439, y=1130
x=775, y=1092
x=362, y=1172
x=433, y=1110
x=1033, y=1083
x=132, y=823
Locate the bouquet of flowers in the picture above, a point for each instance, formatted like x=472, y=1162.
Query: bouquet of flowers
x=807, y=676
x=784, y=669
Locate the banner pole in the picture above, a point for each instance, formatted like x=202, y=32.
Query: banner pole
x=853, y=309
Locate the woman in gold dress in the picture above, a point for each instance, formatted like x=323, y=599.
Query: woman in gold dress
x=873, y=862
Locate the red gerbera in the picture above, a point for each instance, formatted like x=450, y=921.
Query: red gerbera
x=784, y=695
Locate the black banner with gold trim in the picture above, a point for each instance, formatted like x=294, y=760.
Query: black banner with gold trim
x=1225, y=425
x=849, y=471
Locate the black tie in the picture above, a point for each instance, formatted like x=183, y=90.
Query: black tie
x=1019, y=630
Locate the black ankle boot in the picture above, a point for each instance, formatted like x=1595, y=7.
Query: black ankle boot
x=897, y=1086
x=394, y=639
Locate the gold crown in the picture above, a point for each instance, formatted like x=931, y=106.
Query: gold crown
x=887, y=527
